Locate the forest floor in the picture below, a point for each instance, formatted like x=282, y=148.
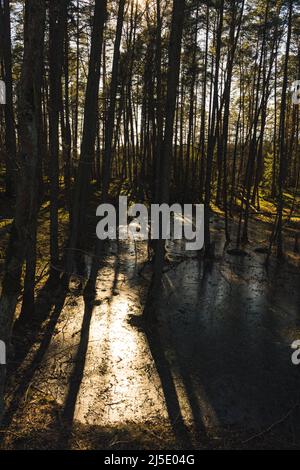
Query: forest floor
x=214, y=371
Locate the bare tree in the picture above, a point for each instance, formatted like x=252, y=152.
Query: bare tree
x=28, y=163
x=167, y=148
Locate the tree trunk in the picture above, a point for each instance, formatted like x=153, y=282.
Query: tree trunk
x=78, y=217
x=109, y=129
x=28, y=162
x=165, y=167
x=212, y=132
x=10, y=135
x=282, y=136
x=57, y=18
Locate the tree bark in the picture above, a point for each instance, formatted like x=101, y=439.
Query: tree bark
x=10, y=135
x=78, y=216
x=167, y=149
x=57, y=18
x=28, y=164
x=282, y=136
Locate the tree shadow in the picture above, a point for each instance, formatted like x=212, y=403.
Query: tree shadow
x=156, y=347
x=78, y=371
x=27, y=329
x=229, y=344
x=77, y=375
x=35, y=362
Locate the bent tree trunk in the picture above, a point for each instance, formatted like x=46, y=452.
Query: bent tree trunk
x=29, y=128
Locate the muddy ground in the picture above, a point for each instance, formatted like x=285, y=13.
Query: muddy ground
x=214, y=371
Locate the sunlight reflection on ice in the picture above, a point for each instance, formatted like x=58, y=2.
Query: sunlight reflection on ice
x=120, y=382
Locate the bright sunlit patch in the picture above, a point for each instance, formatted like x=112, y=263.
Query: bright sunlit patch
x=119, y=367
